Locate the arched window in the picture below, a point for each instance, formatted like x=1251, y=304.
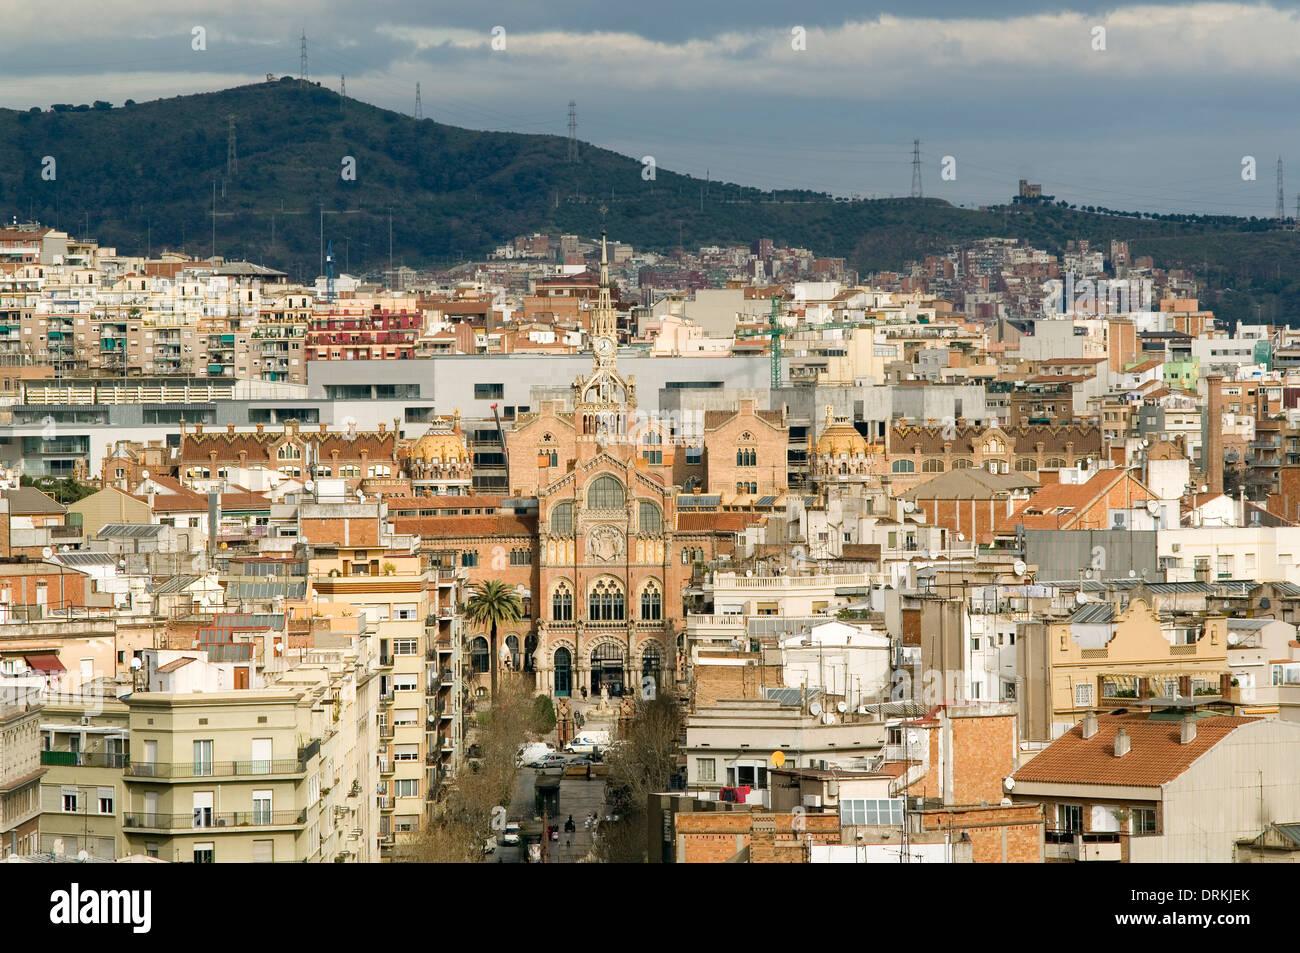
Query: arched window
x=349, y=471
x=479, y=657
x=961, y=463
x=903, y=466
x=651, y=661
x=288, y=451
x=562, y=603
x=605, y=602
x=652, y=603
x=562, y=519
x=605, y=493
x=1026, y=465
x=530, y=648
x=747, y=457
x=649, y=519
x=1053, y=463
x=290, y=471
x=512, y=645
x=380, y=470
x=322, y=470
x=933, y=465
x=554, y=460
x=686, y=557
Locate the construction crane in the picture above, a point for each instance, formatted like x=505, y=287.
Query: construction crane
x=775, y=331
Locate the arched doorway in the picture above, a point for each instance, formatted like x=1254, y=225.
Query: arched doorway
x=651, y=665
x=563, y=672
x=530, y=648
x=512, y=646
x=607, y=669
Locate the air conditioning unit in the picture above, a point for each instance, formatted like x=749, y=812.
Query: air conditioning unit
x=812, y=800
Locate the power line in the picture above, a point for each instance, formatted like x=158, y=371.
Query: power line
x=916, y=168
x=1281, y=200
x=232, y=155
x=573, y=131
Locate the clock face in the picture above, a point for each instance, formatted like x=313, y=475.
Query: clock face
x=604, y=347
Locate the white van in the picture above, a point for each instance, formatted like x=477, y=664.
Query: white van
x=588, y=742
x=532, y=751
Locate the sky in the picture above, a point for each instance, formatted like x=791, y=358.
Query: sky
x=1143, y=106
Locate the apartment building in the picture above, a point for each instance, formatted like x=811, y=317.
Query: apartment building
x=1172, y=784
x=21, y=770
x=224, y=776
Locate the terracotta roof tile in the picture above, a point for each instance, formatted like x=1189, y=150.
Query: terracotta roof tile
x=433, y=527
x=1155, y=757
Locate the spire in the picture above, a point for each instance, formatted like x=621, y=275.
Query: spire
x=605, y=321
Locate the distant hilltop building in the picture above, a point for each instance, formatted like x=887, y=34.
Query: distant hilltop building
x=1031, y=193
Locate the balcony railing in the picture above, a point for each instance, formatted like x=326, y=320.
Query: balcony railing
x=213, y=769
x=176, y=822
x=86, y=759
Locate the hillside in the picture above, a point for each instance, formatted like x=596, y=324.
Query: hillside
x=142, y=176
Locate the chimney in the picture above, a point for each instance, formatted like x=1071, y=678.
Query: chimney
x=1212, y=457
x=1188, y=733
x=382, y=426
x=198, y=428
x=230, y=428
x=324, y=428
x=1122, y=743
x=260, y=427
x=1089, y=724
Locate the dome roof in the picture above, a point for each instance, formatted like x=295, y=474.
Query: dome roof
x=840, y=438
x=443, y=443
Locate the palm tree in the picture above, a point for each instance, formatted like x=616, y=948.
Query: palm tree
x=489, y=603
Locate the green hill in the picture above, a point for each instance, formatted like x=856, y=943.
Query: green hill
x=142, y=175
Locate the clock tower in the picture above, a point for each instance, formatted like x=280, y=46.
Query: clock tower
x=603, y=398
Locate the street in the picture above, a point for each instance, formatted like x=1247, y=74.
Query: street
x=578, y=796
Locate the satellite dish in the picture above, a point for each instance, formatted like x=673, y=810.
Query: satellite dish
x=47, y=552
x=1008, y=784
x=82, y=856
x=1019, y=567
x=1079, y=598
x=309, y=485
x=828, y=719
x=841, y=707
x=144, y=474
x=1205, y=487
x=961, y=537
x=1153, y=507
x=135, y=664
x=279, y=648
x=908, y=506
x=815, y=709
x=1132, y=574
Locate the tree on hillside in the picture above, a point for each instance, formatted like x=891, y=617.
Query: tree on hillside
x=490, y=603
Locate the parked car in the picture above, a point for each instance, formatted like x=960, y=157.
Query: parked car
x=551, y=760
x=582, y=759
x=511, y=836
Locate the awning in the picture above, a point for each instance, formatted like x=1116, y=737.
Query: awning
x=45, y=663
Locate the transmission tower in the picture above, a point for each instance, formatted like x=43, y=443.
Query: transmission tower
x=916, y=168
x=302, y=57
x=1281, y=200
x=573, y=131
x=232, y=155
x=419, y=113
x=343, y=86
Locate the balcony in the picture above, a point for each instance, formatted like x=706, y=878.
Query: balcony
x=1074, y=846
x=213, y=769
x=180, y=822
x=85, y=759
